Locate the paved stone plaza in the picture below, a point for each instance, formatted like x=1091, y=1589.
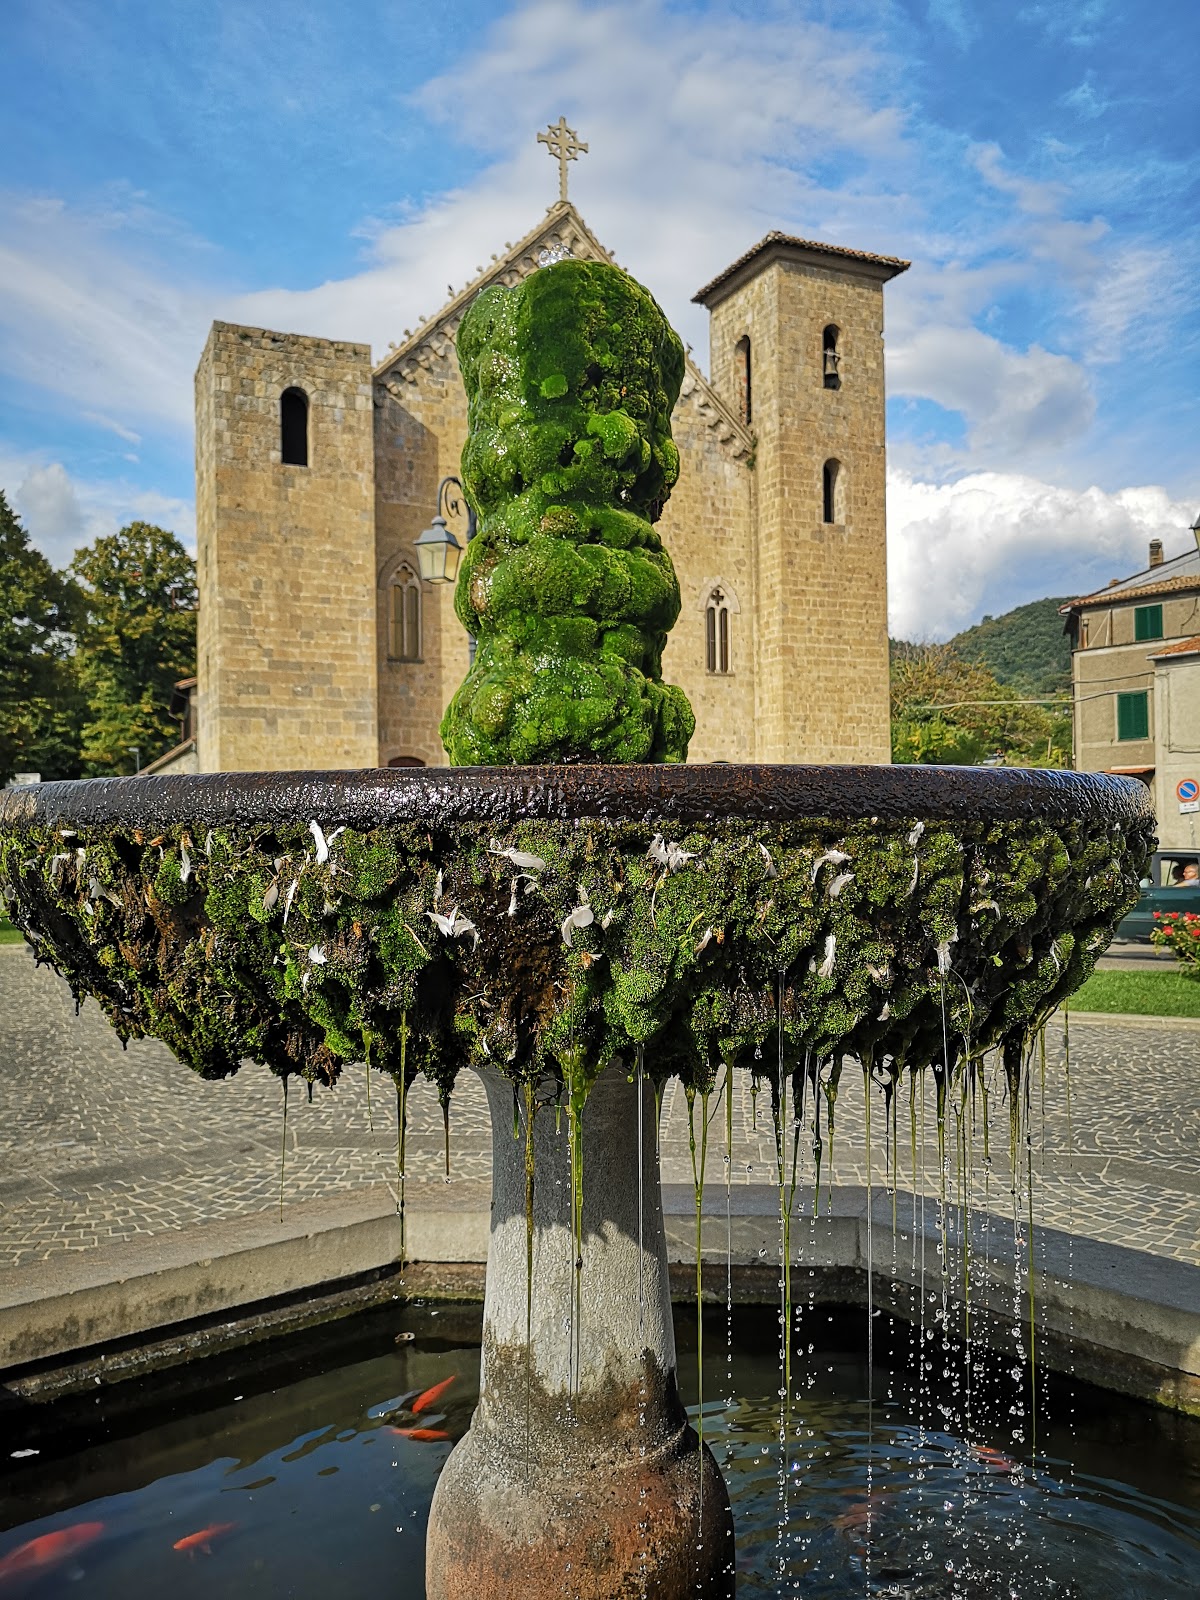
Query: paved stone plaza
x=100, y=1146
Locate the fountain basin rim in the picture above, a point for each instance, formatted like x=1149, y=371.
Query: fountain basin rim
x=684, y=794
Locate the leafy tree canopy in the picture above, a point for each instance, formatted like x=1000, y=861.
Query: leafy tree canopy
x=40, y=707
x=948, y=710
x=136, y=628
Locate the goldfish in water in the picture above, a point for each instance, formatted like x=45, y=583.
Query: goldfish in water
x=996, y=1459
x=422, y=1435
x=430, y=1398
x=203, y=1540
x=48, y=1549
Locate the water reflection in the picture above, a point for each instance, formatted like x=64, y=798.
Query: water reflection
x=308, y=1465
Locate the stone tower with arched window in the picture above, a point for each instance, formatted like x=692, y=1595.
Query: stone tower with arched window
x=319, y=644
x=812, y=316
x=285, y=545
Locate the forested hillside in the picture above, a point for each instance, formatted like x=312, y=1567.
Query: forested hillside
x=1025, y=648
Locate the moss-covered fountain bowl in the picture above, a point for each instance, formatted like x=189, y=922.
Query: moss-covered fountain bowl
x=554, y=919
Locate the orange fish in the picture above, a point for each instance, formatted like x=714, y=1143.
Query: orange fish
x=423, y=1435
x=49, y=1549
x=203, y=1540
x=986, y=1456
x=431, y=1396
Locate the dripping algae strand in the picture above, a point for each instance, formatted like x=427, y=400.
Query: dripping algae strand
x=283, y=1147
x=401, y=1127
x=698, y=1162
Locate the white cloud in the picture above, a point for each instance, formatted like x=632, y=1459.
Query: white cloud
x=90, y=313
x=1015, y=403
x=995, y=540
x=60, y=513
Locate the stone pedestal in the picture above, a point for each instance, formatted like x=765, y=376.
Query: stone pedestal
x=580, y=1475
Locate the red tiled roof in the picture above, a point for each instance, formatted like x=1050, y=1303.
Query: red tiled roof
x=1189, y=580
x=1182, y=647
x=839, y=252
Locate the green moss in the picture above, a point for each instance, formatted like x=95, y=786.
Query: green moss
x=765, y=942
x=571, y=378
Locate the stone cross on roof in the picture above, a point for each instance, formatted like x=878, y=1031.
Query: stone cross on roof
x=564, y=145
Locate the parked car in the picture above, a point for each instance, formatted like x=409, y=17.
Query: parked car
x=1171, y=884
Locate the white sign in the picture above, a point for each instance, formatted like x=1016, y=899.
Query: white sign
x=1188, y=805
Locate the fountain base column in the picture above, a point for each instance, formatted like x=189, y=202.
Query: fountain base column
x=580, y=1475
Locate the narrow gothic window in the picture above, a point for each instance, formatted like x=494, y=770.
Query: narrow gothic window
x=832, y=492
x=716, y=631
x=404, y=616
x=831, y=360
x=745, y=388
x=293, y=428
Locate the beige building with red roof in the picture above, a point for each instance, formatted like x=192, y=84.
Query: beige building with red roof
x=1136, y=676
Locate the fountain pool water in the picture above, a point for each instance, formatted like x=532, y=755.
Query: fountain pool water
x=288, y=1449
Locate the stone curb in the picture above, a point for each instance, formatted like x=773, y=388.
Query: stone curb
x=1132, y=1019
x=1123, y=1318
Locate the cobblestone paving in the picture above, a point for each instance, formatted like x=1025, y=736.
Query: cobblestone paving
x=98, y=1145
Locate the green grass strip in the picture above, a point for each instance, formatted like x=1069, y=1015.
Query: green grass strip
x=1143, y=994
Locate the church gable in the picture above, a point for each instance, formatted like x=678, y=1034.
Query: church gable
x=563, y=232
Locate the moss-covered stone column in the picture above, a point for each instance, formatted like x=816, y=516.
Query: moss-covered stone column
x=571, y=378
x=580, y=1474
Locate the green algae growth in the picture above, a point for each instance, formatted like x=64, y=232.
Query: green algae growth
x=571, y=377
x=562, y=947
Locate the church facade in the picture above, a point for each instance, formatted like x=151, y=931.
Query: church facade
x=319, y=646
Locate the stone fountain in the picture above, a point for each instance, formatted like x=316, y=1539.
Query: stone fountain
x=576, y=916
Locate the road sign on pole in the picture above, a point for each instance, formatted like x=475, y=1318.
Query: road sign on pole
x=1187, y=791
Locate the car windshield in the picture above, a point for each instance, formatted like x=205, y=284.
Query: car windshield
x=1178, y=872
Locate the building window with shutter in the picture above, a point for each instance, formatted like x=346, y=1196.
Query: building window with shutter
x=831, y=359
x=1133, y=715
x=1147, y=622
x=404, y=616
x=716, y=631
x=293, y=428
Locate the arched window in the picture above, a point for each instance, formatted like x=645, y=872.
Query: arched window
x=716, y=631
x=404, y=616
x=293, y=428
x=831, y=360
x=406, y=761
x=833, y=492
x=744, y=383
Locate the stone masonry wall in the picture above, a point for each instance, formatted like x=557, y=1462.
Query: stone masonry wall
x=822, y=668
x=421, y=428
x=708, y=529
x=287, y=653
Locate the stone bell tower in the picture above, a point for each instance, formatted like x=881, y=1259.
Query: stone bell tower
x=285, y=536
x=797, y=352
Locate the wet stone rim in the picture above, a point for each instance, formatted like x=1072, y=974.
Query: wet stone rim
x=440, y=796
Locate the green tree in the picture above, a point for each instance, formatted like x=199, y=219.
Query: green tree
x=40, y=705
x=947, y=710
x=136, y=630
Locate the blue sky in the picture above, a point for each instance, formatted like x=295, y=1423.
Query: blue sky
x=331, y=169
